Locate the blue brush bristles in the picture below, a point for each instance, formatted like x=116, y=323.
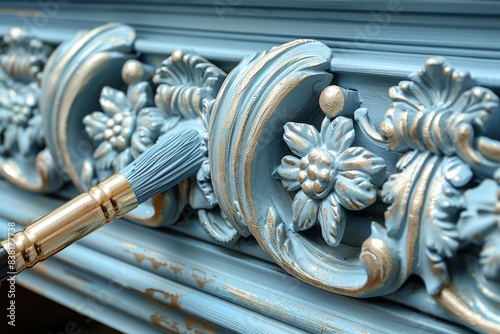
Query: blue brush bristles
x=165, y=164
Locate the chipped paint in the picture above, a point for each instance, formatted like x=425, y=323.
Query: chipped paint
x=170, y=299
x=139, y=258
x=163, y=323
x=201, y=278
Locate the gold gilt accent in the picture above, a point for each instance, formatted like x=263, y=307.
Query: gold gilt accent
x=451, y=302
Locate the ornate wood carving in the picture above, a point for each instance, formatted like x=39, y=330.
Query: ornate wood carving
x=284, y=162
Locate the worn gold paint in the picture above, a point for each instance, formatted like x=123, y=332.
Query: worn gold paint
x=416, y=205
x=139, y=258
x=449, y=299
x=464, y=135
x=82, y=78
x=159, y=203
x=264, y=114
x=233, y=112
x=490, y=150
x=84, y=74
x=68, y=55
x=267, y=306
x=204, y=327
x=415, y=126
x=12, y=173
x=190, y=322
x=80, y=277
x=331, y=100
x=427, y=126
x=377, y=258
x=331, y=328
x=437, y=127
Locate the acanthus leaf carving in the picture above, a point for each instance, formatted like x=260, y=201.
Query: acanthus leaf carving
x=450, y=171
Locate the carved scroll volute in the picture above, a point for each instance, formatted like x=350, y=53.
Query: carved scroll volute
x=258, y=98
x=24, y=159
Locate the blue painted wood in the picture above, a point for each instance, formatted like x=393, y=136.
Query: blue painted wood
x=373, y=47
x=221, y=273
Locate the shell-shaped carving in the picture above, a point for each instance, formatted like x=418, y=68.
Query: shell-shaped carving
x=185, y=80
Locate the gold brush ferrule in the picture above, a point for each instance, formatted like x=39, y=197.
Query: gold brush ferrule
x=84, y=214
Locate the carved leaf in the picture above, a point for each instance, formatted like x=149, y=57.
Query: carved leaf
x=140, y=95
x=332, y=218
x=305, y=211
x=114, y=101
x=301, y=138
x=490, y=256
x=337, y=135
x=185, y=80
x=104, y=155
x=95, y=123
x=355, y=193
x=359, y=162
x=288, y=171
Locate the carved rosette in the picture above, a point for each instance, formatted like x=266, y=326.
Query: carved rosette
x=24, y=160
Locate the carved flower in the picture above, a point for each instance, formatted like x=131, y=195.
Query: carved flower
x=20, y=119
x=331, y=175
x=126, y=128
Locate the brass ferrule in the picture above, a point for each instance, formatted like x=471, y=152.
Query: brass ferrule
x=87, y=212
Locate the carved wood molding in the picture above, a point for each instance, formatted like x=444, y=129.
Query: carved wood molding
x=284, y=161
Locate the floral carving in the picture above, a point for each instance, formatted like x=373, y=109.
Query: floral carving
x=332, y=176
x=126, y=128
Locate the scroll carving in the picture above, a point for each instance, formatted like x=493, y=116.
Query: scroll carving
x=437, y=201
x=445, y=193
x=282, y=163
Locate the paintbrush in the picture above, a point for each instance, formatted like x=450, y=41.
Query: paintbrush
x=162, y=166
